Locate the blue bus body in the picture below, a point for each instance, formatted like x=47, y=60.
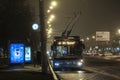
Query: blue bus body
x=67, y=52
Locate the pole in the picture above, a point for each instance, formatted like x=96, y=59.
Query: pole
x=43, y=37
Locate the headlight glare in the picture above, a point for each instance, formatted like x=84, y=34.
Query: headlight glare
x=56, y=64
x=79, y=64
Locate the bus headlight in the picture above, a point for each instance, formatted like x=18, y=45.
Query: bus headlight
x=79, y=63
x=57, y=64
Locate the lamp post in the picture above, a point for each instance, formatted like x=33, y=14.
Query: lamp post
x=43, y=37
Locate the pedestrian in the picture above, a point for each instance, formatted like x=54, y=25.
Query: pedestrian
x=38, y=57
x=34, y=59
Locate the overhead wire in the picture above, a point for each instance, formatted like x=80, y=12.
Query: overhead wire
x=68, y=24
x=77, y=15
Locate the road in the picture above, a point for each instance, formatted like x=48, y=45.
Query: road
x=94, y=69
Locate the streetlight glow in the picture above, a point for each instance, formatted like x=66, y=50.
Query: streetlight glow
x=88, y=38
x=49, y=25
x=48, y=22
x=93, y=37
x=51, y=7
x=54, y=3
x=52, y=16
x=49, y=31
x=50, y=19
x=49, y=36
x=48, y=11
x=119, y=31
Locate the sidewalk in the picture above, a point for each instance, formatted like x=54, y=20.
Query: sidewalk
x=37, y=68
x=28, y=72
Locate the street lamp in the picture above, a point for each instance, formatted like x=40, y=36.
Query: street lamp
x=35, y=26
x=49, y=25
x=93, y=37
x=88, y=38
x=48, y=11
x=50, y=31
x=53, y=3
x=48, y=22
x=51, y=7
x=52, y=16
x=119, y=31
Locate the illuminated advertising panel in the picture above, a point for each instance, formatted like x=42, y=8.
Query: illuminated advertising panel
x=27, y=54
x=102, y=36
x=16, y=53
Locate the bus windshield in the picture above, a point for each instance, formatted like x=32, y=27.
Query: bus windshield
x=62, y=51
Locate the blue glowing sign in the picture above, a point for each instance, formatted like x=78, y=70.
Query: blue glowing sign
x=27, y=54
x=16, y=53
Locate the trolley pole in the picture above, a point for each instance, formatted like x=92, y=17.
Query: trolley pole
x=43, y=37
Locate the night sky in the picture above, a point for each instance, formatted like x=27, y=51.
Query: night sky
x=15, y=21
x=96, y=15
